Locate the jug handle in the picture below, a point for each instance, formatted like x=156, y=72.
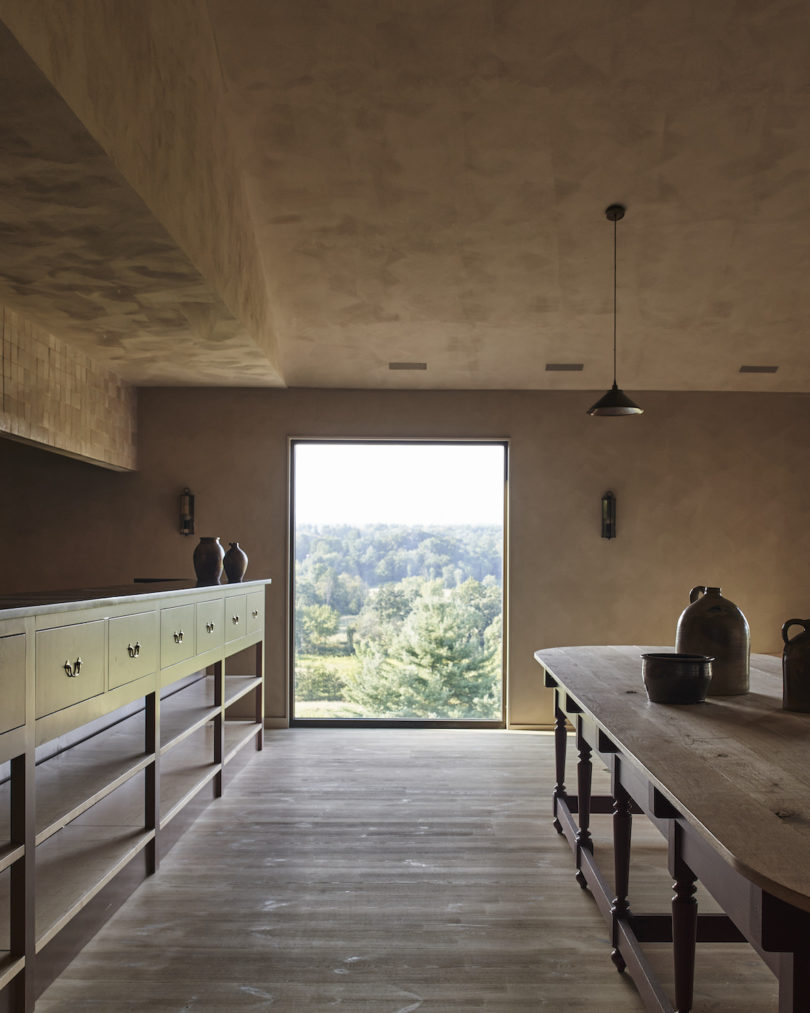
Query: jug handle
x=696, y=592
x=794, y=622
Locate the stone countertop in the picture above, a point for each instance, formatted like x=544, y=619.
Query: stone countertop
x=21, y=604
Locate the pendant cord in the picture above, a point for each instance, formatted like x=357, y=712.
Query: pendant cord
x=614, y=302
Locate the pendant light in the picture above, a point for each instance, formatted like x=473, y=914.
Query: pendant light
x=615, y=401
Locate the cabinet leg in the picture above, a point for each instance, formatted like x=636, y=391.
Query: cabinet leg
x=560, y=741
x=22, y=914
x=151, y=800
x=259, y=695
x=622, y=835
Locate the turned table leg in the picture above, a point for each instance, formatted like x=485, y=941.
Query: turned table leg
x=560, y=739
x=622, y=832
x=584, y=779
x=684, y=935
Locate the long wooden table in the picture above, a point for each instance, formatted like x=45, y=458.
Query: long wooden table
x=728, y=785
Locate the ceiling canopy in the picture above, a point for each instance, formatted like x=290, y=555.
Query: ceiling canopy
x=423, y=182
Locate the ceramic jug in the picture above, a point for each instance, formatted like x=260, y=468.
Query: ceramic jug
x=713, y=625
x=208, y=561
x=796, y=667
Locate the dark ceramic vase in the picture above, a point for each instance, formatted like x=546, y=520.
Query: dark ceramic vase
x=235, y=563
x=208, y=561
x=796, y=667
x=714, y=626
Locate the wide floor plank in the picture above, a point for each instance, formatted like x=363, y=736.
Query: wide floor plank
x=379, y=870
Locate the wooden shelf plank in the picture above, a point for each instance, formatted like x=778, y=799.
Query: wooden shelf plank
x=238, y=734
x=72, y=781
x=183, y=712
x=87, y=803
x=237, y=686
x=185, y=771
x=9, y=854
x=9, y=968
x=195, y=785
x=199, y=720
x=73, y=865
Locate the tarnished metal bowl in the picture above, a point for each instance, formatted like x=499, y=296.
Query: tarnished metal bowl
x=676, y=678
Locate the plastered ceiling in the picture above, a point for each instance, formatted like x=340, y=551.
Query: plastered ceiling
x=426, y=182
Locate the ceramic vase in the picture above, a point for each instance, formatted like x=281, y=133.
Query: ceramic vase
x=235, y=563
x=208, y=557
x=713, y=625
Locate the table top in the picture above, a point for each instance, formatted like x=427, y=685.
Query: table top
x=737, y=768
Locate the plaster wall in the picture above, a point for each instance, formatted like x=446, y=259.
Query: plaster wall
x=55, y=395
x=709, y=490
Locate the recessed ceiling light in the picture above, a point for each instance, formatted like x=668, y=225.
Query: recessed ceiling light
x=758, y=369
x=407, y=365
x=564, y=367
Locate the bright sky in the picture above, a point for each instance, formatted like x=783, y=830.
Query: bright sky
x=399, y=483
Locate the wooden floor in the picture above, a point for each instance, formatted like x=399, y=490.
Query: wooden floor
x=386, y=871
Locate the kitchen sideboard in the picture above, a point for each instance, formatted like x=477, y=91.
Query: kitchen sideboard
x=120, y=708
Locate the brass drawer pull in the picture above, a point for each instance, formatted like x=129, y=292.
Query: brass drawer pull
x=178, y=637
x=71, y=671
x=209, y=627
x=255, y=613
x=134, y=651
x=235, y=620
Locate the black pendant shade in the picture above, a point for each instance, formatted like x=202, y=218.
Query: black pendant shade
x=615, y=401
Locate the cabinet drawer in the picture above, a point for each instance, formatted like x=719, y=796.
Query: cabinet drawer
x=69, y=665
x=235, y=617
x=255, y=612
x=133, y=647
x=176, y=634
x=210, y=625
x=12, y=681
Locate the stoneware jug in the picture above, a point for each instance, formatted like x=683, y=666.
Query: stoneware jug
x=796, y=667
x=713, y=625
x=208, y=561
x=235, y=563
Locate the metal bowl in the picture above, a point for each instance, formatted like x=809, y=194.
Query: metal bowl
x=676, y=678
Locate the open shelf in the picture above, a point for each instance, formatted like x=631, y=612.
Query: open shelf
x=237, y=686
x=183, y=712
x=74, y=864
x=185, y=771
x=73, y=781
x=238, y=734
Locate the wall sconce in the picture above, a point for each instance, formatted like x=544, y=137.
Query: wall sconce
x=608, y=515
x=187, y=512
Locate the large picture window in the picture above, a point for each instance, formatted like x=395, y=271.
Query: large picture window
x=397, y=581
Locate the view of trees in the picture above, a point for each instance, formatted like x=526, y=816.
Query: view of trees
x=398, y=621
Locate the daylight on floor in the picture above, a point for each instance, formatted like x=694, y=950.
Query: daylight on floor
x=398, y=580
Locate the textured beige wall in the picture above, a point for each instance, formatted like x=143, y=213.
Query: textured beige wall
x=710, y=489
x=56, y=396
x=143, y=77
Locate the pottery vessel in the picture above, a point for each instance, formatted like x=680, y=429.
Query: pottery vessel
x=796, y=667
x=714, y=626
x=235, y=563
x=676, y=678
x=208, y=557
